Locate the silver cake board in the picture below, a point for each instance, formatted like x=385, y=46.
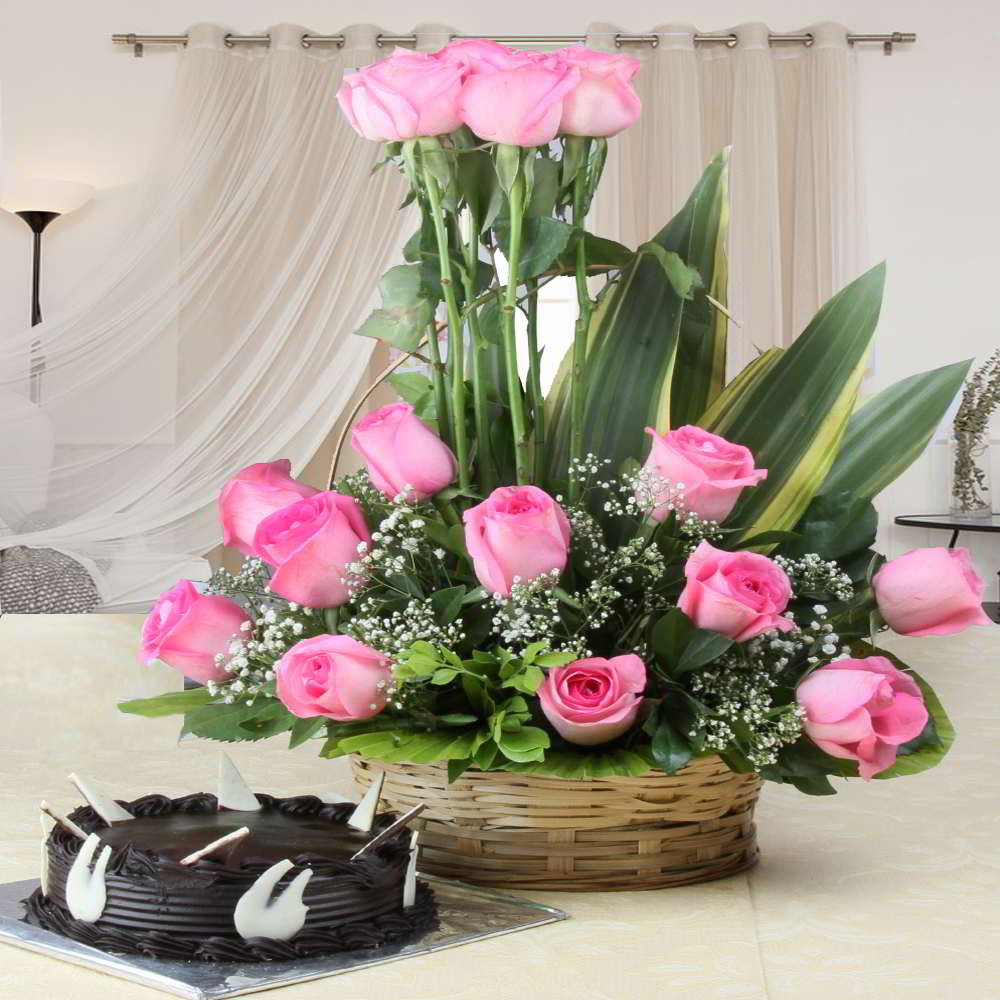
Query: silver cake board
x=465, y=913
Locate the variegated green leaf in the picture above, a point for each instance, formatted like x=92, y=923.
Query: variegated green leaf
x=891, y=430
x=793, y=416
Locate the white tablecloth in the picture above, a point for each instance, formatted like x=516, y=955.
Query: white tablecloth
x=889, y=889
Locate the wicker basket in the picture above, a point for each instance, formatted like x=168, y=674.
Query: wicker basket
x=519, y=831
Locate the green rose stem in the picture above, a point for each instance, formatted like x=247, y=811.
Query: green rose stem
x=456, y=346
x=437, y=377
x=484, y=451
x=578, y=387
x=535, y=378
x=516, y=198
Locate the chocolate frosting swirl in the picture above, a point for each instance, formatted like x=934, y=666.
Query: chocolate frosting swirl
x=159, y=908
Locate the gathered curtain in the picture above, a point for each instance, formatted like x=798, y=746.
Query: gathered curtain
x=789, y=113
x=220, y=332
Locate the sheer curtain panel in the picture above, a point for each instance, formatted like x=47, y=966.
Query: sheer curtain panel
x=789, y=113
x=220, y=332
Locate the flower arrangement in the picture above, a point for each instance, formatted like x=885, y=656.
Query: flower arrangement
x=641, y=567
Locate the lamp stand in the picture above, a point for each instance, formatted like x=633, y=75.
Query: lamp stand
x=37, y=223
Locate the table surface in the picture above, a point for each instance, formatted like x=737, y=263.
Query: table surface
x=951, y=522
x=888, y=888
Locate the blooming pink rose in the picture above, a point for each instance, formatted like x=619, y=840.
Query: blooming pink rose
x=252, y=494
x=713, y=470
x=409, y=94
x=932, y=591
x=517, y=531
x=479, y=55
x=400, y=450
x=186, y=629
x=335, y=676
x=593, y=701
x=604, y=102
x=520, y=106
x=738, y=594
x=862, y=710
x=312, y=543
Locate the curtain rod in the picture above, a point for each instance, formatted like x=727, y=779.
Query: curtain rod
x=888, y=40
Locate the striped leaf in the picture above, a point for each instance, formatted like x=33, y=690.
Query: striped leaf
x=793, y=411
x=888, y=432
x=635, y=334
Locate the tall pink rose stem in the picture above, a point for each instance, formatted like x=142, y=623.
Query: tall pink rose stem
x=516, y=198
x=456, y=345
x=578, y=388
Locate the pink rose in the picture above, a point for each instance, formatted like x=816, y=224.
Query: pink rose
x=738, y=594
x=479, y=55
x=409, y=94
x=604, y=102
x=312, y=543
x=335, y=676
x=186, y=630
x=862, y=710
x=518, y=531
x=713, y=470
x=520, y=106
x=399, y=449
x=930, y=592
x=593, y=701
x=252, y=494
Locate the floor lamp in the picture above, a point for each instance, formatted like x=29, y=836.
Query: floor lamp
x=38, y=202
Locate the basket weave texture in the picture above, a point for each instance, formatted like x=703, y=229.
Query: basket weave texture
x=520, y=831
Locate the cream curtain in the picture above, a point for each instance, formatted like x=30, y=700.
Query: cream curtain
x=789, y=113
x=220, y=333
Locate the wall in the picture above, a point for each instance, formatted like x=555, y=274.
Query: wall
x=76, y=106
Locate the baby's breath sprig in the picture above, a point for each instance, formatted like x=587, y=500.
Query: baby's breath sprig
x=813, y=575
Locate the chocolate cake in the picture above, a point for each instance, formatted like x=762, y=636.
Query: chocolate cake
x=284, y=888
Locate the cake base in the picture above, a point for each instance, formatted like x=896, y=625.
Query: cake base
x=392, y=929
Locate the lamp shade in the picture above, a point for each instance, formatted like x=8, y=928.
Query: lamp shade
x=44, y=194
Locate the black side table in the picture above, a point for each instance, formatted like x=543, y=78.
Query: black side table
x=955, y=524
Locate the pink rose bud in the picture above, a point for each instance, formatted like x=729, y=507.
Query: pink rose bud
x=312, y=544
x=604, y=102
x=400, y=450
x=251, y=495
x=518, y=531
x=520, y=106
x=186, y=630
x=409, y=94
x=335, y=676
x=594, y=701
x=862, y=710
x=713, y=471
x=479, y=55
x=932, y=591
x=738, y=594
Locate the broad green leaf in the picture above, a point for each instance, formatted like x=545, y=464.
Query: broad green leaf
x=702, y=648
x=173, y=703
x=634, y=338
x=405, y=313
x=701, y=349
x=230, y=723
x=741, y=387
x=682, y=278
x=793, y=417
x=834, y=526
x=305, y=729
x=600, y=253
x=890, y=430
x=670, y=750
x=543, y=239
x=585, y=765
x=670, y=635
x=411, y=387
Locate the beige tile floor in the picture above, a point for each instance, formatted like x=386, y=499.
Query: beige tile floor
x=888, y=889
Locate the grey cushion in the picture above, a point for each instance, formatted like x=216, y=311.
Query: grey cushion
x=44, y=582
